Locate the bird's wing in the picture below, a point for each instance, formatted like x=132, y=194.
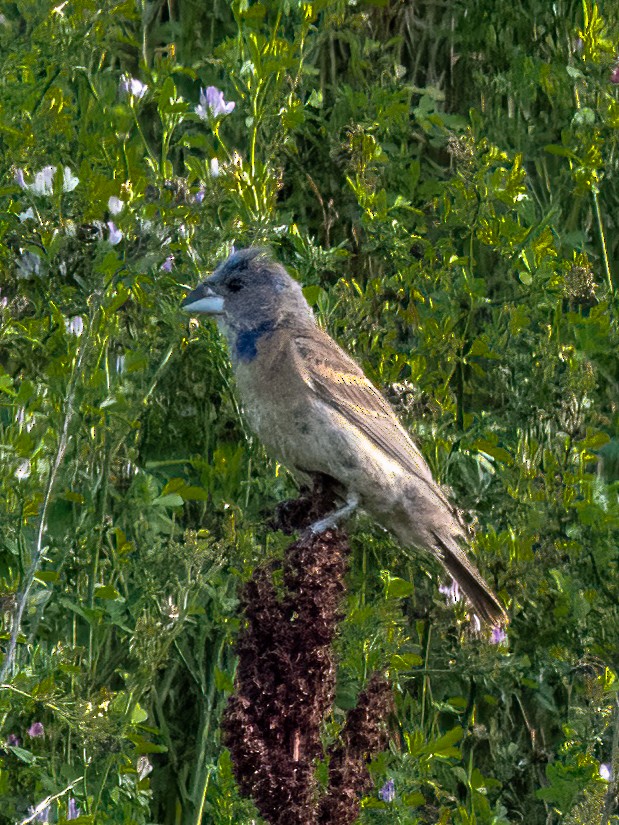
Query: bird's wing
x=339, y=382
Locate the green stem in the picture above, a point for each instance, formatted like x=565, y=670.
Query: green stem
x=598, y=216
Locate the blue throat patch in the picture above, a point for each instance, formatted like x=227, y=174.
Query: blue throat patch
x=246, y=347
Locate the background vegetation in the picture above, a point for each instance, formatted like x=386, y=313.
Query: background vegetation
x=443, y=178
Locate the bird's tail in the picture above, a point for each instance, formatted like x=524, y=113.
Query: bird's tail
x=483, y=601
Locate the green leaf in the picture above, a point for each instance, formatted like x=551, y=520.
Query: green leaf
x=443, y=747
x=22, y=754
x=405, y=661
x=138, y=714
x=106, y=591
x=6, y=384
x=396, y=588
x=172, y=500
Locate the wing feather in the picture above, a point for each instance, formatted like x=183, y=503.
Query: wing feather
x=339, y=382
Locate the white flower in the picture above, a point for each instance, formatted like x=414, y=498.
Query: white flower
x=116, y=235
x=28, y=215
x=69, y=180
x=115, y=205
x=29, y=264
x=120, y=364
x=75, y=325
x=133, y=87
x=23, y=471
x=606, y=771
x=214, y=168
x=144, y=767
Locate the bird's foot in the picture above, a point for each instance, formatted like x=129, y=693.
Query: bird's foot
x=313, y=504
x=333, y=519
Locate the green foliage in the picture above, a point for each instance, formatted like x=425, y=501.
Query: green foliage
x=443, y=180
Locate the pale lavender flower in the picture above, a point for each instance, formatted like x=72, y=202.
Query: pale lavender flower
x=606, y=771
x=115, y=205
x=214, y=168
x=498, y=635
x=116, y=235
x=199, y=196
x=387, y=792
x=75, y=325
x=69, y=180
x=19, y=178
x=72, y=809
x=43, y=181
x=28, y=264
x=21, y=473
x=13, y=740
x=36, y=730
x=451, y=592
x=120, y=364
x=133, y=87
x=42, y=815
x=144, y=767
x=212, y=103
x=28, y=215
x=167, y=265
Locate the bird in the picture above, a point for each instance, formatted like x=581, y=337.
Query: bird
x=317, y=413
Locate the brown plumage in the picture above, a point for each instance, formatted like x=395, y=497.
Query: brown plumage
x=315, y=410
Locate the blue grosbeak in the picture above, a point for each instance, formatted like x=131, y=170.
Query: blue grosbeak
x=314, y=409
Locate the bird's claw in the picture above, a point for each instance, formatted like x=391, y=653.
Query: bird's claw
x=331, y=521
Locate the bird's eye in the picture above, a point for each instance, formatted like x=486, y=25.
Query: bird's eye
x=235, y=284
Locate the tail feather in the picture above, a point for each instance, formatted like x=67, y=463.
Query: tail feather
x=482, y=599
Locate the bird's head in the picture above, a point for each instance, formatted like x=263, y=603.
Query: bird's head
x=250, y=290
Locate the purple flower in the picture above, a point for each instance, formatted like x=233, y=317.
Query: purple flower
x=498, y=635
x=606, y=771
x=199, y=196
x=72, y=810
x=19, y=178
x=167, y=265
x=36, y=730
x=116, y=235
x=451, y=592
x=75, y=325
x=387, y=792
x=212, y=102
x=614, y=78
x=133, y=87
x=13, y=740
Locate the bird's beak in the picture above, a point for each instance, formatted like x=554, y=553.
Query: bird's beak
x=203, y=300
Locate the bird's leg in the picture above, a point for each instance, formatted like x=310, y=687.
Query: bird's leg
x=332, y=520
